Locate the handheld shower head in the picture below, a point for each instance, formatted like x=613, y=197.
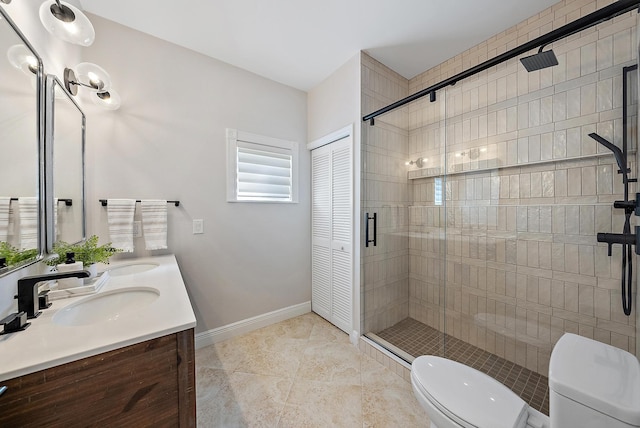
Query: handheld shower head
x=617, y=153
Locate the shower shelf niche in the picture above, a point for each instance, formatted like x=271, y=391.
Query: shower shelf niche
x=436, y=171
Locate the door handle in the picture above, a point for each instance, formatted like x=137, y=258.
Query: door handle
x=373, y=241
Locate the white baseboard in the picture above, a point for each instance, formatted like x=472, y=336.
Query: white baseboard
x=235, y=329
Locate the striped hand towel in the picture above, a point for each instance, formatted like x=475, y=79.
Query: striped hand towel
x=28, y=222
x=56, y=230
x=154, y=224
x=5, y=206
x=120, y=219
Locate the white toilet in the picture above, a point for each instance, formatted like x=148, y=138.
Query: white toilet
x=591, y=385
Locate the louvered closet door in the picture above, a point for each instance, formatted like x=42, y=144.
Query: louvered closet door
x=341, y=277
x=332, y=295
x=321, y=232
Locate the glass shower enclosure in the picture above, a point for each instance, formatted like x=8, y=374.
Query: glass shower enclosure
x=488, y=199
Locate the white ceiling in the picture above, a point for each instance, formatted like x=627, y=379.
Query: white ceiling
x=301, y=42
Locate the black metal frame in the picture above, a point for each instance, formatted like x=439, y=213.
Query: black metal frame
x=104, y=202
x=594, y=18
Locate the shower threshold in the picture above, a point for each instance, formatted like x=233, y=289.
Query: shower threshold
x=409, y=339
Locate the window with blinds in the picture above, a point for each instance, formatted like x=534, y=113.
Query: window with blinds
x=260, y=169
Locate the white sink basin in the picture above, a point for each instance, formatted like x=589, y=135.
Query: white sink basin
x=109, y=306
x=131, y=269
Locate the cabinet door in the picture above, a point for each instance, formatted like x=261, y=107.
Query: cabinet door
x=149, y=384
x=332, y=233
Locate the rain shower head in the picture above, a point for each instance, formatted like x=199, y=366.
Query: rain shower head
x=540, y=60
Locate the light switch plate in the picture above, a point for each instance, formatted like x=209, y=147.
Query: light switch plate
x=198, y=226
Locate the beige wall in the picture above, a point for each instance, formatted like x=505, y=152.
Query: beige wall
x=333, y=105
x=385, y=191
x=527, y=190
x=168, y=141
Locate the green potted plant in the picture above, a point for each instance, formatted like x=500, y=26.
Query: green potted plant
x=88, y=252
x=13, y=256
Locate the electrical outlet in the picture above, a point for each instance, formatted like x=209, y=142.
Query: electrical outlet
x=198, y=226
x=137, y=229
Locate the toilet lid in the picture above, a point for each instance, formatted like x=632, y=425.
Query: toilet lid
x=467, y=396
x=597, y=375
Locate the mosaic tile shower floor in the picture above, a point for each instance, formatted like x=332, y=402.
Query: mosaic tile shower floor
x=416, y=338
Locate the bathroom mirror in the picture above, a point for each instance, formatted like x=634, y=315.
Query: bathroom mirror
x=65, y=140
x=21, y=131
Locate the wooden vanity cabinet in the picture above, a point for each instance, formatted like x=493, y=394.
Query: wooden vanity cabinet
x=147, y=384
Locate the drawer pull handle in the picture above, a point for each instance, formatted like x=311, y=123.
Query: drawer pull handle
x=3, y=389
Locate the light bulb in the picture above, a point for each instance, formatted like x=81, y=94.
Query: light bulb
x=94, y=76
x=23, y=59
x=71, y=28
x=109, y=99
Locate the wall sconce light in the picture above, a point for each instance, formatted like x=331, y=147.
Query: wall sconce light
x=67, y=22
x=472, y=153
x=418, y=162
x=88, y=75
x=22, y=59
x=97, y=80
x=108, y=99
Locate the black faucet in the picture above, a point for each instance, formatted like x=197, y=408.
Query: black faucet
x=28, y=300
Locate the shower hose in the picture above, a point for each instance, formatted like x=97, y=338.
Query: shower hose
x=627, y=269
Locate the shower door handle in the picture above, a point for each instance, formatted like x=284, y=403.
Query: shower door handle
x=368, y=241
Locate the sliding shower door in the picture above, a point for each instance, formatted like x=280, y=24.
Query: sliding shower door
x=403, y=226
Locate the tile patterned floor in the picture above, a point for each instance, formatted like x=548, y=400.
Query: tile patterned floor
x=416, y=338
x=302, y=372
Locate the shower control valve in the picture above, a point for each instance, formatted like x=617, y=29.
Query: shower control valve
x=629, y=206
x=621, y=238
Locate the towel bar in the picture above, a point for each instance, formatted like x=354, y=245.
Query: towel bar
x=67, y=202
x=104, y=202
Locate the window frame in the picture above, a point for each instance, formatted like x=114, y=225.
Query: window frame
x=275, y=145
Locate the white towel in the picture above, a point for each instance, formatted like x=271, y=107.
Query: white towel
x=5, y=206
x=13, y=224
x=55, y=219
x=28, y=222
x=120, y=218
x=154, y=224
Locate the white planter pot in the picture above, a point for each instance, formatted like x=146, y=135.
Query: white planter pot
x=93, y=270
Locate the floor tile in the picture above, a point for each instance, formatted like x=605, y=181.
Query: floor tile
x=322, y=404
x=245, y=400
x=331, y=362
x=303, y=372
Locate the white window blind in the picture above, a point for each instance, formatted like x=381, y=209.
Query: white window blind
x=261, y=169
x=263, y=175
x=438, y=190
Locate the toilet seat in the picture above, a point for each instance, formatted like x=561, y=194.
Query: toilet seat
x=466, y=396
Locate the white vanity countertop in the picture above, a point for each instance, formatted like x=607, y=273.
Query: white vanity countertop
x=45, y=344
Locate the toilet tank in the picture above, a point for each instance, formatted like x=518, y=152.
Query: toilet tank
x=592, y=384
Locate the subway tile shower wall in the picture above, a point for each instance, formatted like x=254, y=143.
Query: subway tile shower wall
x=526, y=192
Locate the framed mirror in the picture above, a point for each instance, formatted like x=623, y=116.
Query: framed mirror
x=65, y=146
x=21, y=134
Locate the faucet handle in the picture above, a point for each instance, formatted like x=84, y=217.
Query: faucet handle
x=15, y=322
x=43, y=300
